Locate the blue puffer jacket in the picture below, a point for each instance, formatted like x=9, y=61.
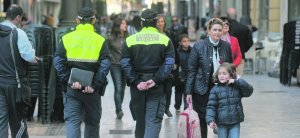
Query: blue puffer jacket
x=225, y=102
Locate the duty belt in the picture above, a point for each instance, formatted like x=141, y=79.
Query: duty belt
x=146, y=76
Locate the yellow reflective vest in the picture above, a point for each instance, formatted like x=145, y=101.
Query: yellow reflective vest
x=147, y=36
x=83, y=44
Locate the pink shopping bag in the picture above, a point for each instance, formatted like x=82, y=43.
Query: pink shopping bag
x=189, y=124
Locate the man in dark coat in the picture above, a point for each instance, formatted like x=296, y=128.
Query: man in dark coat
x=243, y=35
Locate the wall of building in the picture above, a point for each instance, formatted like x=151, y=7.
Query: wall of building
x=254, y=12
x=274, y=16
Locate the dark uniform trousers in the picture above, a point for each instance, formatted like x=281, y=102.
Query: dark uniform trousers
x=148, y=109
x=82, y=106
x=12, y=112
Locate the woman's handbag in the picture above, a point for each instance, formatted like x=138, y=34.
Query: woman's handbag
x=23, y=94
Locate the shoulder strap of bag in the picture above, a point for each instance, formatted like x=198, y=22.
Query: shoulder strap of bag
x=13, y=57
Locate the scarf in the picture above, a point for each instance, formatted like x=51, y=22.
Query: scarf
x=212, y=41
x=216, y=57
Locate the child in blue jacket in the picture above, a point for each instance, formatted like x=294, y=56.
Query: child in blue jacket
x=224, y=108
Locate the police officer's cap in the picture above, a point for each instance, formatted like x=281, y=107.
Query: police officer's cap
x=149, y=15
x=86, y=13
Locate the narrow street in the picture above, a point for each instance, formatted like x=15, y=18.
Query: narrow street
x=272, y=111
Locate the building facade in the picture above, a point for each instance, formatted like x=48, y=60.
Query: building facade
x=269, y=14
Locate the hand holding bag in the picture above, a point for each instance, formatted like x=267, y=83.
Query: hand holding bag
x=189, y=123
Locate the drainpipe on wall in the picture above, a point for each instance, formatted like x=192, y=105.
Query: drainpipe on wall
x=245, y=19
x=68, y=16
x=263, y=19
x=211, y=8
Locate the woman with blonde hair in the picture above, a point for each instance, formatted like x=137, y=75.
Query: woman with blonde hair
x=204, y=60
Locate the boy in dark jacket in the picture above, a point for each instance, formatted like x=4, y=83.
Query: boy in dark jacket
x=183, y=51
x=224, y=108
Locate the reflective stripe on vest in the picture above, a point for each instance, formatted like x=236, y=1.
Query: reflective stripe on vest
x=83, y=44
x=147, y=36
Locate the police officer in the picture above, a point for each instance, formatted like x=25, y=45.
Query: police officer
x=147, y=57
x=83, y=49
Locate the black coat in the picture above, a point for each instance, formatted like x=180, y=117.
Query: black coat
x=183, y=64
x=243, y=34
x=174, y=33
x=224, y=106
x=200, y=65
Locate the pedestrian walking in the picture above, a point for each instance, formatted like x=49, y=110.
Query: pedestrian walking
x=233, y=41
x=161, y=26
x=16, y=52
x=243, y=34
x=116, y=40
x=183, y=50
x=204, y=60
x=135, y=25
x=84, y=49
x=102, y=26
x=173, y=32
x=148, y=58
x=224, y=108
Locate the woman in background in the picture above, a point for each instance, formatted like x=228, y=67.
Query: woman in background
x=116, y=40
x=161, y=24
x=233, y=41
x=161, y=27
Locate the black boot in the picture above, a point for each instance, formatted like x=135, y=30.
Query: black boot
x=120, y=114
x=168, y=113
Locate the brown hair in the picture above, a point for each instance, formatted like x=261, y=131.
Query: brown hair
x=224, y=19
x=229, y=67
x=214, y=21
x=163, y=17
x=183, y=36
x=115, y=31
x=13, y=11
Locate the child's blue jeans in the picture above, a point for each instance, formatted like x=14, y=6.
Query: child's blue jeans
x=229, y=131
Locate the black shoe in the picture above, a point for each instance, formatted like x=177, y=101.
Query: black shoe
x=177, y=108
x=168, y=113
x=215, y=130
x=120, y=115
